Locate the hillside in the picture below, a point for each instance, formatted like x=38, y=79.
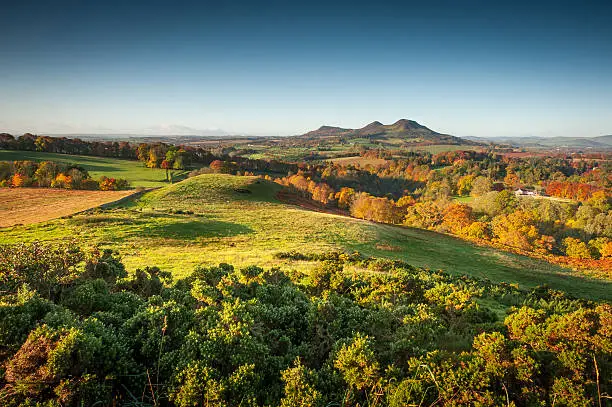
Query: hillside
x=406, y=131
x=222, y=218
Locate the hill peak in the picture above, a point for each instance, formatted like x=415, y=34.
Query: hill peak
x=407, y=124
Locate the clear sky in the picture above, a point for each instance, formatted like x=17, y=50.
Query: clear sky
x=468, y=68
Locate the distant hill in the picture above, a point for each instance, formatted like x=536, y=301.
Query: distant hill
x=402, y=131
x=600, y=142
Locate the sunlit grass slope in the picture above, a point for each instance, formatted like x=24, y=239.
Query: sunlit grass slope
x=134, y=171
x=222, y=218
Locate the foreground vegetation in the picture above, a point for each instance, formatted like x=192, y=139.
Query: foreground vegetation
x=77, y=330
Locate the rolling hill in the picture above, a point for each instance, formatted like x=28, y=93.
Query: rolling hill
x=406, y=131
x=215, y=218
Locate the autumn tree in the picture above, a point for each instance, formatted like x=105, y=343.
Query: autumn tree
x=457, y=217
x=62, y=181
x=511, y=180
x=46, y=173
x=495, y=203
x=481, y=185
x=576, y=248
x=323, y=193
x=166, y=165
x=373, y=208
x=516, y=229
x=345, y=197
x=464, y=184
x=425, y=214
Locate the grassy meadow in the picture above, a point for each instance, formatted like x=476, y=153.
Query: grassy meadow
x=215, y=218
x=134, y=171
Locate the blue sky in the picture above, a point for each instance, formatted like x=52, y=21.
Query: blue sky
x=468, y=68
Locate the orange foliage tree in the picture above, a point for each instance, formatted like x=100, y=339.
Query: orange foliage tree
x=571, y=190
x=62, y=181
x=366, y=206
x=457, y=217
x=19, y=180
x=345, y=197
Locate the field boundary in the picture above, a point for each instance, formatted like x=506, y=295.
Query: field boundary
x=126, y=198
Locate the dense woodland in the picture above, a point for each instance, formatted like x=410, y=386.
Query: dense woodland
x=76, y=330
x=421, y=192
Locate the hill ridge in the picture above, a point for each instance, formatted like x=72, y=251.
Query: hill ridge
x=404, y=129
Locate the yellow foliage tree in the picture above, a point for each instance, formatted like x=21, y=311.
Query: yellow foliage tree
x=516, y=229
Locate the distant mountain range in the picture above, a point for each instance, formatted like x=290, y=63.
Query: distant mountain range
x=407, y=131
x=599, y=142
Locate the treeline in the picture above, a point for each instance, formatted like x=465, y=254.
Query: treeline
x=152, y=155
x=49, y=174
x=244, y=166
x=64, y=145
x=76, y=330
x=571, y=190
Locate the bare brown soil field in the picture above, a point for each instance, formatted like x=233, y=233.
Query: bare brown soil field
x=33, y=205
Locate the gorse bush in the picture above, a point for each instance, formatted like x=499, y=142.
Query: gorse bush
x=76, y=329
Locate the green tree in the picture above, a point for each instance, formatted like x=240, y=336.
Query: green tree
x=481, y=185
x=576, y=248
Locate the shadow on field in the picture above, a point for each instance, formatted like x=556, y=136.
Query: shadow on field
x=99, y=168
x=158, y=225
x=194, y=229
x=89, y=163
x=423, y=248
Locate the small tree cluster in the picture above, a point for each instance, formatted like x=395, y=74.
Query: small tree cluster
x=49, y=174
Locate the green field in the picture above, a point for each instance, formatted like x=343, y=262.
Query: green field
x=237, y=220
x=134, y=171
x=463, y=199
x=443, y=148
